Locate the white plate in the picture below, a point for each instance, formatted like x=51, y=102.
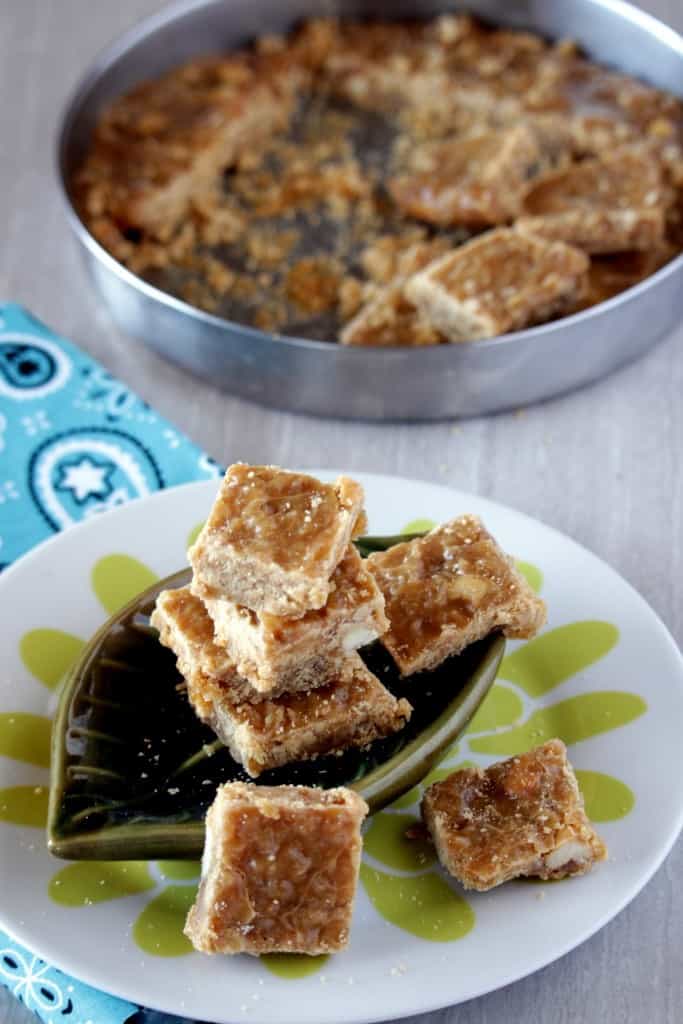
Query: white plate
x=388, y=971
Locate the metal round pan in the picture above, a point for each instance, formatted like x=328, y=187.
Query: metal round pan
x=329, y=379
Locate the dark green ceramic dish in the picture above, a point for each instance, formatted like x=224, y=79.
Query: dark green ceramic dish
x=134, y=771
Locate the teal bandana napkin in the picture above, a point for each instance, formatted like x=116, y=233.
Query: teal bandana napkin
x=74, y=442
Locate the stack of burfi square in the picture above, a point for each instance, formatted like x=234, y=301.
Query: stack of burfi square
x=266, y=635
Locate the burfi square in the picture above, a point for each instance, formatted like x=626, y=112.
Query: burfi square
x=279, y=871
x=285, y=654
x=521, y=817
x=502, y=281
x=448, y=589
x=351, y=711
x=274, y=538
x=186, y=628
x=603, y=205
x=475, y=181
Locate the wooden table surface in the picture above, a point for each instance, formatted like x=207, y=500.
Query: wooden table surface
x=603, y=466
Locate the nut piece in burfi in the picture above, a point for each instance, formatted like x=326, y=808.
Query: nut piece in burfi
x=448, y=589
x=278, y=653
x=279, y=871
x=603, y=205
x=477, y=180
x=502, y=281
x=352, y=711
x=389, y=318
x=274, y=538
x=522, y=817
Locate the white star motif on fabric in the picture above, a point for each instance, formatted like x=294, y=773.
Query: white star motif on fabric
x=86, y=479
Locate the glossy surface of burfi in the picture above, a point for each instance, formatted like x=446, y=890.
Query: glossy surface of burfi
x=502, y=281
x=448, y=589
x=477, y=180
x=279, y=871
x=521, y=817
x=274, y=538
x=612, y=204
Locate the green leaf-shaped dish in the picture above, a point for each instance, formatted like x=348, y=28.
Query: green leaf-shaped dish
x=134, y=770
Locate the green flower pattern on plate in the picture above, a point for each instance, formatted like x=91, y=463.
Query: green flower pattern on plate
x=420, y=900
x=400, y=876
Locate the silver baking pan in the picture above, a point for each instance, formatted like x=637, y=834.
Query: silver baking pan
x=325, y=378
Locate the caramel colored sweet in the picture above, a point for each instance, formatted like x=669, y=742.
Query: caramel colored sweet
x=445, y=591
x=274, y=538
x=248, y=183
x=186, y=628
x=477, y=180
x=502, y=281
x=521, y=817
x=279, y=872
x=605, y=205
x=278, y=653
x=351, y=711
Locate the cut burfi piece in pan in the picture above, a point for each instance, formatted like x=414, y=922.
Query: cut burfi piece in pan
x=274, y=538
x=275, y=652
x=160, y=145
x=477, y=180
x=448, y=589
x=603, y=205
x=352, y=711
x=389, y=318
x=502, y=281
x=186, y=628
x=522, y=817
x=279, y=871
